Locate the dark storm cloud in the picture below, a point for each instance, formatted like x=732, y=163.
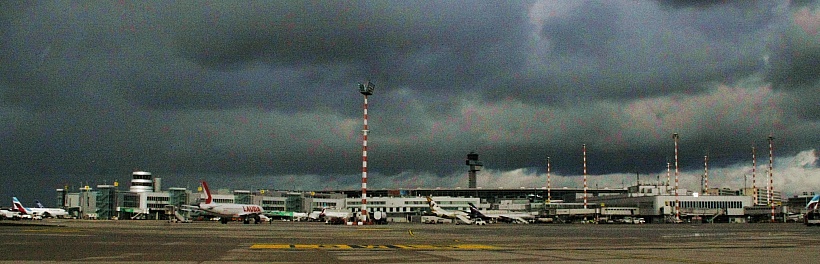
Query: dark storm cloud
x=374, y=38
x=795, y=66
x=802, y=3
x=796, y=52
x=307, y=50
x=700, y=3
x=634, y=50
x=588, y=30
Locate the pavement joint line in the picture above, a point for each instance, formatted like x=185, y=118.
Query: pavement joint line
x=49, y=230
x=376, y=247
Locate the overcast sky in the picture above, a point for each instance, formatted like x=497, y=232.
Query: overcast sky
x=261, y=94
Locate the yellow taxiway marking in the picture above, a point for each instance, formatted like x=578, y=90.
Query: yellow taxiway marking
x=350, y=247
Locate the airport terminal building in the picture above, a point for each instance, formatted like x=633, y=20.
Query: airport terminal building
x=145, y=199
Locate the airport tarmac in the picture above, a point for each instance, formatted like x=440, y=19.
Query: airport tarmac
x=305, y=242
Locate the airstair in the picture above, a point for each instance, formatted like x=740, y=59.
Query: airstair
x=174, y=216
x=720, y=212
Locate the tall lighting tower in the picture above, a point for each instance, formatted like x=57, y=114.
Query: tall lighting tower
x=705, y=190
x=771, y=182
x=585, y=176
x=366, y=89
x=754, y=186
x=677, y=200
x=668, y=166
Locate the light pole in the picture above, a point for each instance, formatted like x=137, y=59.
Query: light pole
x=771, y=175
x=754, y=186
x=677, y=200
x=366, y=89
x=585, y=177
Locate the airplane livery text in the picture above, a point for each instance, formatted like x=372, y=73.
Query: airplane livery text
x=252, y=209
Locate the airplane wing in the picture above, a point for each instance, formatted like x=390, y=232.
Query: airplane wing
x=513, y=219
x=194, y=208
x=463, y=218
x=519, y=220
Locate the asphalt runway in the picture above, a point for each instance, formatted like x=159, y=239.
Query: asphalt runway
x=303, y=242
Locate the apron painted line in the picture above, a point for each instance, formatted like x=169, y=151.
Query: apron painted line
x=382, y=247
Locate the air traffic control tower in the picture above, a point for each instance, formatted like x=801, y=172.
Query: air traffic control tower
x=475, y=165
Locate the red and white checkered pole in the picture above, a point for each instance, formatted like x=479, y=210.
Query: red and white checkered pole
x=705, y=175
x=754, y=188
x=771, y=175
x=668, y=166
x=677, y=201
x=364, y=163
x=585, y=176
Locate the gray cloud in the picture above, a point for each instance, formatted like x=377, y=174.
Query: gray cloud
x=700, y=3
x=588, y=30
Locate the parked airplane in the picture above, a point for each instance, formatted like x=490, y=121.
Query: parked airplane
x=38, y=211
x=293, y=216
x=812, y=216
x=334, y=216
x=6, y=214
x=521, y=218
x=815, y=201
x=455, y=215
x=226, y=211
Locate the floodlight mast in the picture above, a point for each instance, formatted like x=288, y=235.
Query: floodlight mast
x=754, y=187
x=585, y=176
x=705, y=190
x=677, y=200
x=771, y=175
x=366, y=89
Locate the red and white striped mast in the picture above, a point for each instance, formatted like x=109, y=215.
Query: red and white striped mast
x=366, y=89
x=705, y=175
x=771, y=175
x=668, y=166
x=754, y=188
x=677, y=201
x=585, y=176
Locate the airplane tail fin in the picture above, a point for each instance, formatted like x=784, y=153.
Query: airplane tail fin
x=39, y=205
x=19, y=206
x=815, y=201
x=208, y=198
x=433, y=205
x=474, y=212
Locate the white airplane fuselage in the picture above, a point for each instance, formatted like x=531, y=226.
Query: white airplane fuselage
x=42, y=212
x=226, y=211
x=455, y=215
x=53, y=212
x=230, y=209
